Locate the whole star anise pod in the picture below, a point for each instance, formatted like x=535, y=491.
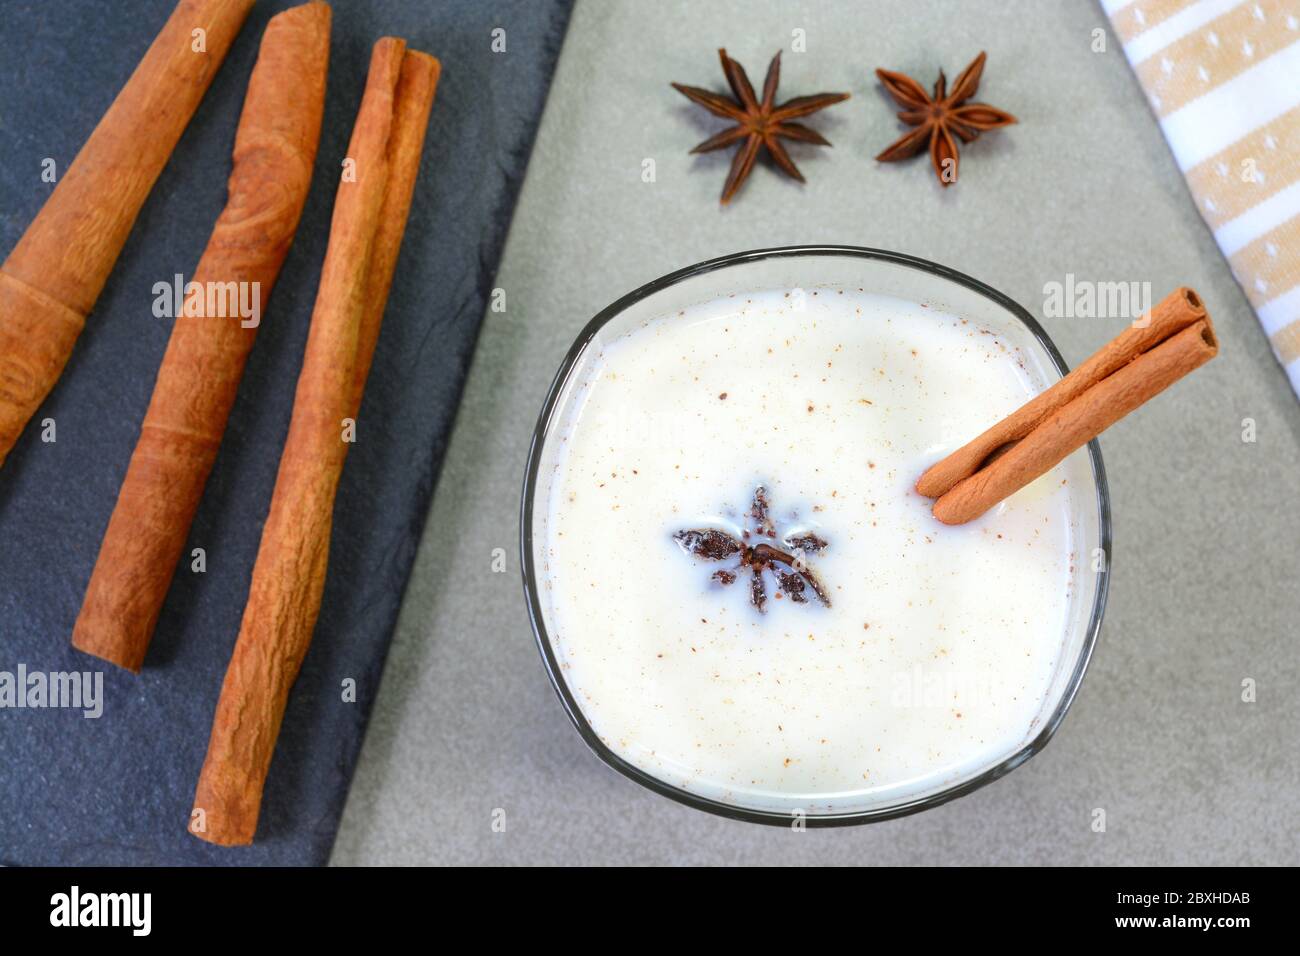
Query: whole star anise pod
x=758, y=124
x=940, y=117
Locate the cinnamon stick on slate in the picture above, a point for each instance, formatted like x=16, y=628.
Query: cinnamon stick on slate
x=289, y=576
x=51, y=280
x=275, y=150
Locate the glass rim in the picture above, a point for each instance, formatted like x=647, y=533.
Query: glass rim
x=533, y=593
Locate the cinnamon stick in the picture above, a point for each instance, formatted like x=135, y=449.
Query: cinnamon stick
x=415, y=89
x=1172, y=314
x=289, y=575
x=1079, y=421
x=275, y=150
x=53, y=276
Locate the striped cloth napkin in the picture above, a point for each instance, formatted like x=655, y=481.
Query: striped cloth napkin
x=1223, y=77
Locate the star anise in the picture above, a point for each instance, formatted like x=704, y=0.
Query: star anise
x=793, y=576
x=940, y=117
x=758, y=124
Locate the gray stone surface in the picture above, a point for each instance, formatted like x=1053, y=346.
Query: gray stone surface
x=1203, y=593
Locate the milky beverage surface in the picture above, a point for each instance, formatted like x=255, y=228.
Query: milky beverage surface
x=934, y=657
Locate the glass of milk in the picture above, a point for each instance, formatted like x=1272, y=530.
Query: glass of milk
x=738, y=595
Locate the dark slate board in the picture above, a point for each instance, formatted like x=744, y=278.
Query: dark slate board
x=117, y=790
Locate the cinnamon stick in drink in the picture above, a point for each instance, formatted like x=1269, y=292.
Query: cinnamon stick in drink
x=275, y=151
x=1175, y=312
x=289, y=576
x=1083, y=417
x=52, y=278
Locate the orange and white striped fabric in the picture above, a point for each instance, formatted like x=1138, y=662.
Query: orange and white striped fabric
x=1223, y=77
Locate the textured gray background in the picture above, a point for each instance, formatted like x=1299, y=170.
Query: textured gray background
x=1206, y=527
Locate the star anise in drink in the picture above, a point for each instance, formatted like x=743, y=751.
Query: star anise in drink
x=786, y=566
x=940, y=117
x=757, y=124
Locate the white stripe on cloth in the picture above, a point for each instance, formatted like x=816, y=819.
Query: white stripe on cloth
x=1152, y=41
x=1280, y=312
x=1224, y=115
x=1258, y=220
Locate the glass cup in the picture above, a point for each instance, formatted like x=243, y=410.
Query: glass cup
x=810, y=267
